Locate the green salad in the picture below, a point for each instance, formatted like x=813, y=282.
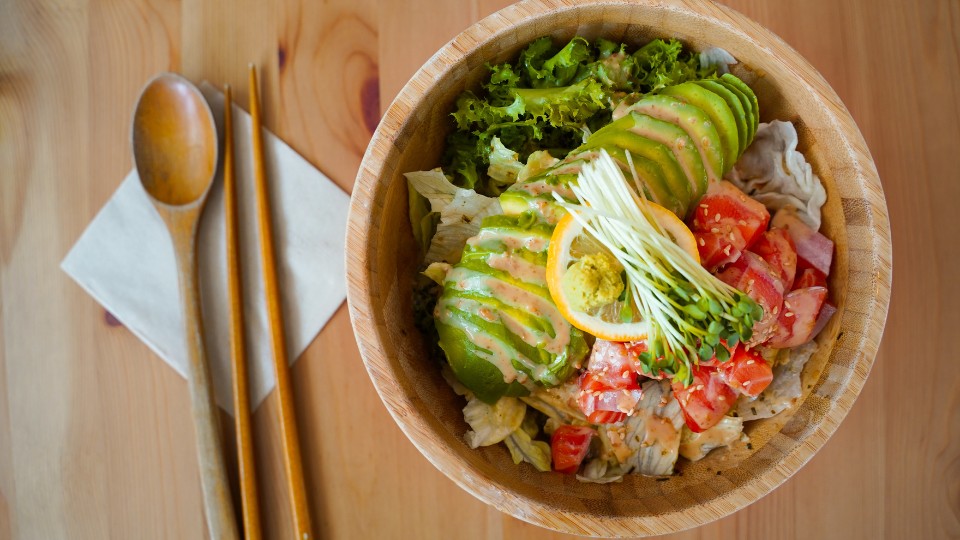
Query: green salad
x=588, y=277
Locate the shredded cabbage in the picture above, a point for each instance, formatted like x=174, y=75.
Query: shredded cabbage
x=523, y=448
x=461, y=211
x=785, y=389
x=504, y=163
x=774, y=173
x=492, y=423
x=717, y=58
x=600, y=471
x=696, y=446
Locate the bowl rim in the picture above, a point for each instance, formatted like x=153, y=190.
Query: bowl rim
x=473, y=480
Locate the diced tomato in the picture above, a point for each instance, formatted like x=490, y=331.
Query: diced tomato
x=606, y=417
x=720, y=248
x=799, y=317
x=569, y=445
x=602, y=404
x=615, y=363
x=724, y=207
x=826, y=312
x=747, y=372
x=706, y=400
x=776, y=248
x=814, y=250
x=810, y=277
x=759, y=281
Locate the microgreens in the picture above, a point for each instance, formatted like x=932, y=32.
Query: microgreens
x=688, y=311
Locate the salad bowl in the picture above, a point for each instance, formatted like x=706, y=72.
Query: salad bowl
x=382, y=264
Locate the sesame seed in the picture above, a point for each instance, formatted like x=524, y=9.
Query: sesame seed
x=717, y=218
x=750, y=283
x=702, y=243
x=788, y=314
x=704, y=206
x=726, y=251
x=714, y=230
x=731, y=237
x=721, y=398
x=776, y=309
x=750, y=362
x=746, y=384
x=742, y=223
x=699, y=387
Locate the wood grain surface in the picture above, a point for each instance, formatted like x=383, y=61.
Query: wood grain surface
x=95, y=432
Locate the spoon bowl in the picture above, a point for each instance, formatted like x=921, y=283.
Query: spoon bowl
x=174, y=140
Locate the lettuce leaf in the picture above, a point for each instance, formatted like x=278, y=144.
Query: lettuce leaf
x=505, y=166
x=544, y=67
x=491, y=424
x=537, y=163
x=663, y=63
x=524, y=448
x=718, y=58
x=460, y=213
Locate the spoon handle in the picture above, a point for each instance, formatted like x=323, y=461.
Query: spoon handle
x=217, y=502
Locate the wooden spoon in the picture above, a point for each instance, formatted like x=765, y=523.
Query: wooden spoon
x=175, y=151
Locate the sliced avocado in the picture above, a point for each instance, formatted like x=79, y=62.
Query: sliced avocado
x=671, y=172
x=497, y=322
x=695, y=122
x=733, y=101
x=747, y=109
x=719, y=113
x=482, y=378
x=751, y=97
x=683, y=147
x=536, y=194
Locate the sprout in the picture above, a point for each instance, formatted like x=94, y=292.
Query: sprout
x=688, y=311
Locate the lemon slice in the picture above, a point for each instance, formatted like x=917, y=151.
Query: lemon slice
x=616, y=320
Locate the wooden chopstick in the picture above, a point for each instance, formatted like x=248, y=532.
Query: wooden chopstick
x=288, y=422
x=238, y=349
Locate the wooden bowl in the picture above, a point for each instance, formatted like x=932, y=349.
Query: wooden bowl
x=382, y=262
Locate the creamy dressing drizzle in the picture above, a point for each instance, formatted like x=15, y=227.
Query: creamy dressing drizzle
x=676, y=147
x=512, y=240
x=519, y=268
x=541, y=187
x=498, y=352
x=522, y=299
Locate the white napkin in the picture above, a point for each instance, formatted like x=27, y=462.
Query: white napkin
x=125, y=260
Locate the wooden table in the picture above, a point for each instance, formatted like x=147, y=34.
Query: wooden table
x=95, y=433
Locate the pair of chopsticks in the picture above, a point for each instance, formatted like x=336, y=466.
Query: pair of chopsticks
x=241, y=401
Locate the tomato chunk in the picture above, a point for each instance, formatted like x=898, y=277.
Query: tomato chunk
x=747, y=372
x=568, y=446
x=776, y=248
x=615, y=363
x=810, y=277
x=814, y=250
x=762, y=283
x=724, y=208
x=706, y=400
x=602, y=404
x=720, y=248
x=798, y=319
